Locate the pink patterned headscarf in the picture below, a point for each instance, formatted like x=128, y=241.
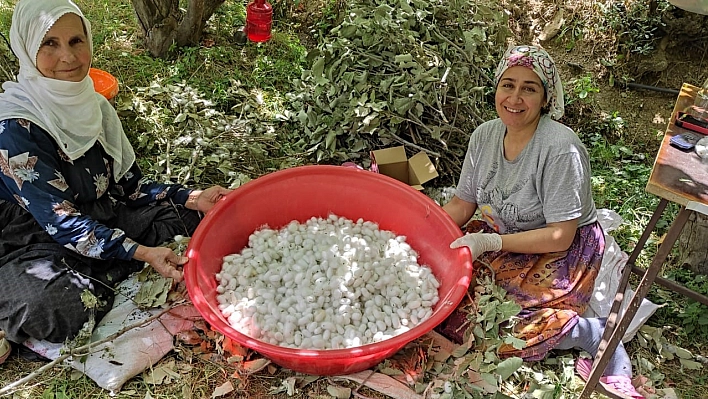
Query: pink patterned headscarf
x=539, y=61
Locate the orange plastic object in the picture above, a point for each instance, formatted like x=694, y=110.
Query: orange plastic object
x=306, y=191
x=104, y=83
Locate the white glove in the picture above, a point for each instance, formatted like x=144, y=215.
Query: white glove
x=479, y=243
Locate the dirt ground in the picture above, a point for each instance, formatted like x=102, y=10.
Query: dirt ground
x=581, y=42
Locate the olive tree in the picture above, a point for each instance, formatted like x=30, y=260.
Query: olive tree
x=163, y=23
x=693, y=244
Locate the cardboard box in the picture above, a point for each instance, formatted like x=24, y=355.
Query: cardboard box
x=393, y=162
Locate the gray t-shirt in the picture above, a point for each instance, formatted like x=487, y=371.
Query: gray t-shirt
x=548, y=182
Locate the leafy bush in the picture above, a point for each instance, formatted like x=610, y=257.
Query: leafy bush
x=693, y=315
x=637, y=24
x=411, y=71
x=582, y=88
x=8, y=62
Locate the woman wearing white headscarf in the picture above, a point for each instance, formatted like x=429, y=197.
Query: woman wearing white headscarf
x=529, y=176
x=75, y=212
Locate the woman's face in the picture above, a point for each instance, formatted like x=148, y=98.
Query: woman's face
x=64, y=53
x=519, y=97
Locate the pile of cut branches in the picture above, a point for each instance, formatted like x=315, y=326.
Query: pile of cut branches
x=412, y=72
x=191, y=142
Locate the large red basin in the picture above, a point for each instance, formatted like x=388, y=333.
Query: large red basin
x=298, y=194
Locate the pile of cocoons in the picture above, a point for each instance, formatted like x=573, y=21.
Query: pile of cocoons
x=328, y=283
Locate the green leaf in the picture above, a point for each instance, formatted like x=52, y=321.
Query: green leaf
x=382, y=13
x=181, y=117
x=489, y=378
x=348, y=31
x=473, y=360
x=225, y=168
x=302, y=116
x=320, y=80
x=460, y=351
x=543, y=391
x=385, y=84
x=153, y=292
x=690, y=364
x=318, y=67
x=517, y=343
x=402, y=105
x=489, y=312
x=405, y=7
x=490, y=357
x=507, y=310
x=401, y=58
x=330, y=140
x=478, y=331
x=508, y=367
x=683, y=353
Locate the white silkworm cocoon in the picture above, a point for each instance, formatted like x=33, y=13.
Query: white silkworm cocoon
x=395, y=321
x=350, y=284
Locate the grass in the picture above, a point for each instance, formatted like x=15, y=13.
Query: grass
x=243, y=89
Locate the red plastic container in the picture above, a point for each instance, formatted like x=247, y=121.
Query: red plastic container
x=259, y=18
x=298, y=194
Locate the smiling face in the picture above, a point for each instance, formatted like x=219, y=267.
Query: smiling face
x=519, y=98
x=65, y=53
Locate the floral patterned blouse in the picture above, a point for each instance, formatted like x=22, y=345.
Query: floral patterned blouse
x=38, y=176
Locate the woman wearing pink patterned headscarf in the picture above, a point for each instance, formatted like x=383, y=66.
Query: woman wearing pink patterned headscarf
x=529, y=177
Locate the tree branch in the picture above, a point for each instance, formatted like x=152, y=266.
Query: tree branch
x=408, y=143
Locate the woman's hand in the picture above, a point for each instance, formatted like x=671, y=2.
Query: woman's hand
x=479, y=243
x=162, y=259
x=203, y=201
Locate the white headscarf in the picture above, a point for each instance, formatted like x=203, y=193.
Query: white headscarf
x=71, y=112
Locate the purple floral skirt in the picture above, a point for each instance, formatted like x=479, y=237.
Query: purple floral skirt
x=553, y=290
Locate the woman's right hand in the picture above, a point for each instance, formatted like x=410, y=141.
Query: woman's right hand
x=162, y=259
x=479, y=243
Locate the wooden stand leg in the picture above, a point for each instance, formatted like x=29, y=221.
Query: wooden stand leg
x=608, y=347
x=627, y=271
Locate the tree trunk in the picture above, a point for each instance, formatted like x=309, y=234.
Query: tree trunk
x=163, y=24
x=198, y=13
x=693, y=244
x=158, y=20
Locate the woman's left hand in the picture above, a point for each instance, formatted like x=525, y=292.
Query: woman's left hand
x=204, y=200
x=162, y=259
